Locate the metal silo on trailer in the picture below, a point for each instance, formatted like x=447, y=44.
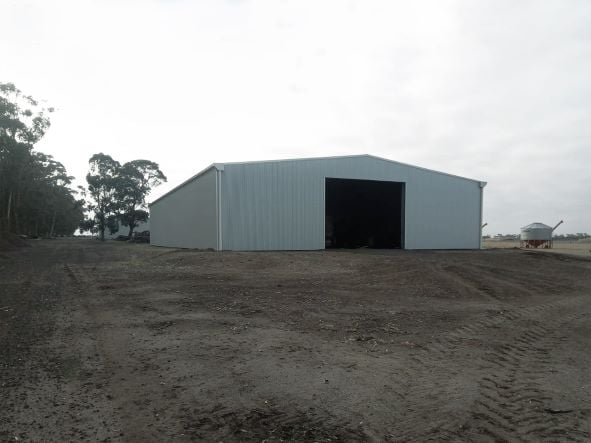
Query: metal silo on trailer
x=537, y=235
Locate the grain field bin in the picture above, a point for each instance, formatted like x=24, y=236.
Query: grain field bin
x=537, y=235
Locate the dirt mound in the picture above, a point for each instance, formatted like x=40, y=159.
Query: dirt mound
x=10, y=241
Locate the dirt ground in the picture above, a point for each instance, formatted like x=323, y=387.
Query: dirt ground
x=125, y=342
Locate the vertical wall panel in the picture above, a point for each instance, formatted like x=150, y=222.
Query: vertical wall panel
x=279, y=205
x=187, y=217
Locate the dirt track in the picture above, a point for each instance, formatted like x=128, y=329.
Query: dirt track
x=118, y=342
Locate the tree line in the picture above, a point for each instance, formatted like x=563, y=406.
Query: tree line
x=572, y=237
x=36, y=193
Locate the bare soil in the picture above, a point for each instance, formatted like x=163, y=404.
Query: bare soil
x=127, y=342
x=10, y=241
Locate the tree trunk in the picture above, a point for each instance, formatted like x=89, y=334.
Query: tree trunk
x=17, y=207
x=8, y=211
x=17, y=229
x=102, y=222
x=52, y=224
x=131, y=226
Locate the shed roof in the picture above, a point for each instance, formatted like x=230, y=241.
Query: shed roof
x=220, y=166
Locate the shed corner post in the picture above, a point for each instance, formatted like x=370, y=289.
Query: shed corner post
x=219, y=168
x=482, y=185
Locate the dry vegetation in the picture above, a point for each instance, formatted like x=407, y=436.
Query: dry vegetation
x=580, y=248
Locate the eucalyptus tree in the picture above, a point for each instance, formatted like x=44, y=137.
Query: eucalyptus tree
x=135, y=181
x=22, y=123
x=35, y=193
x=102, y=190
x=117, y=193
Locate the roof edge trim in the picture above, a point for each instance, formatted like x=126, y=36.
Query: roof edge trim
x=422, y=169
x=336, y=157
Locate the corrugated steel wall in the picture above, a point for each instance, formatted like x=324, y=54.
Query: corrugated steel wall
x=187, y=217
x=280, y=205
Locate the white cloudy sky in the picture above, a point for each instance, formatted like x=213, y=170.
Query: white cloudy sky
x=494, y=90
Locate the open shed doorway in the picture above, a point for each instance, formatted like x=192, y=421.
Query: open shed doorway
x=364, y=213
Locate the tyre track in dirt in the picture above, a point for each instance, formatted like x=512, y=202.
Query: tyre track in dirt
x=129, y=390
x=427, y=385
x=273, y=424
x=44, y=400
x=427, y=390
x=133, y=385
x=119, y=318
x=85, y=410
x=13, y=363
x=507, y=283
x=29, y=296
x=513, y=403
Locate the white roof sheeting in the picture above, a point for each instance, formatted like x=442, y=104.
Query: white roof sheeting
x=220, y=167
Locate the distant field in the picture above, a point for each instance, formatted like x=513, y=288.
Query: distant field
x=582, y=248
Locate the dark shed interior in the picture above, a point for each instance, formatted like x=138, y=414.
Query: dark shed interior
x=364, y=213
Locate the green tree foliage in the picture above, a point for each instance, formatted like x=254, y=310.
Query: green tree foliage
x=102, y=188
x=35, y=193
x=135, y=181
x=118, y=193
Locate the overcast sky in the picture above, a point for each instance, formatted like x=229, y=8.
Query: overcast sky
x=498, y=91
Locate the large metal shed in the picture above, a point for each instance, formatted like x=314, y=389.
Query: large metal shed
x=316, y=203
